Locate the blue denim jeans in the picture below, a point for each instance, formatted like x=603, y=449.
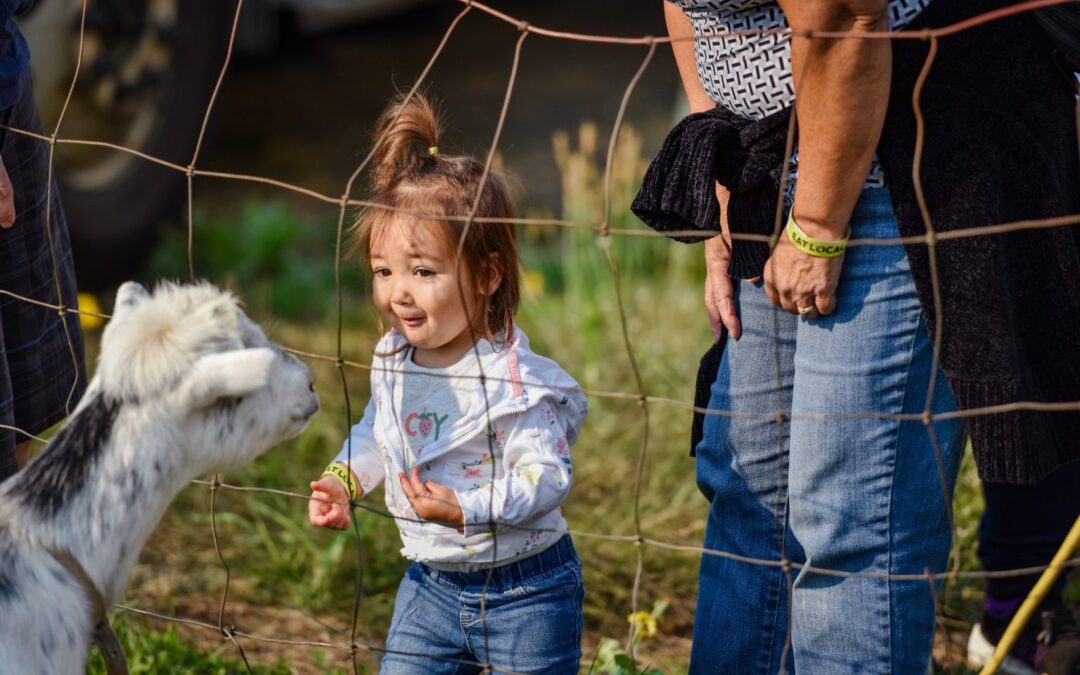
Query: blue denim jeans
x=855, y=493
x=530, y=622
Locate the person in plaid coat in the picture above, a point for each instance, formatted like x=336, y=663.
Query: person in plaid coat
x=42, y=373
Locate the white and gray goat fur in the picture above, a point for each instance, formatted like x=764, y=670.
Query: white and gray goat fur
x=186, y=385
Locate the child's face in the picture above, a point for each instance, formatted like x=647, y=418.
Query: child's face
x=415, y=288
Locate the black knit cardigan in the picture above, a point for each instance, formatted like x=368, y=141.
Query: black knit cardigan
x=1000, y=146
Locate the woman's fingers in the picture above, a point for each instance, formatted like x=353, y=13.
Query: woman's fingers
x=801, y=284
x=825, y=303
x=719, y=290
x=720, y=303
x=770, y=286
x=806, y=307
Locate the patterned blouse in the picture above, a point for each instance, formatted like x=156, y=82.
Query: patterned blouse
x=751, y=75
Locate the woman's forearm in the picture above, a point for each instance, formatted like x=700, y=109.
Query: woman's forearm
x=678, y=25
x=842, y=89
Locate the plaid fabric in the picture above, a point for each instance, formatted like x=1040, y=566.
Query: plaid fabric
x=42, y=374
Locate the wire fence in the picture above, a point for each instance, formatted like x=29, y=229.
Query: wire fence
x=646, y=401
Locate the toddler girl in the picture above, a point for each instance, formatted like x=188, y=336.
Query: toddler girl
x=470, y=429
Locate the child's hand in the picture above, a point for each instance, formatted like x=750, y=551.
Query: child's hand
x=324, y=513
x=432, y=501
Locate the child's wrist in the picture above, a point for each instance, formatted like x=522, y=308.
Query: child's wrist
x=344, y=475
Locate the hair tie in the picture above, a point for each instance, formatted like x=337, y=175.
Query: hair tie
x=433, y=150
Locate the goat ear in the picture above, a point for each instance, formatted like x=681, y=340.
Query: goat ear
x=221, y=313
x=227, y=375
x=127, y=296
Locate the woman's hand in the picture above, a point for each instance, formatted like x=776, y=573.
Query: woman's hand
x=719, y=291
x=842, y=90
x=800, y=283
x=432, y=501
x=7, y=199
x=328, y=505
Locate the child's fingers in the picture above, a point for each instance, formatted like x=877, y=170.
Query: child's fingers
x=442, y=493
x=436, y=489
x=325, y=509
x=437, y=493
x=316, y=515
x=335, y=516
x=417, y=484
x=332, y=486
x=323, y=497
x=406, y=487
x=341, y=517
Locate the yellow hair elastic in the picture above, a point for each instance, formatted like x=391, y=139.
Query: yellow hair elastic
x=433, y=150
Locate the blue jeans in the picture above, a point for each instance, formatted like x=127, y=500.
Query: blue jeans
x=531, y=621
x=855, y=494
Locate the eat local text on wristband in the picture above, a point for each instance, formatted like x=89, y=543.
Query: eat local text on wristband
x=811, y=246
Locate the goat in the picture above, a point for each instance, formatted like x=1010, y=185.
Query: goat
x=186, y=385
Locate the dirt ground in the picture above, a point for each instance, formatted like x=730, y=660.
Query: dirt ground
x=292, y=627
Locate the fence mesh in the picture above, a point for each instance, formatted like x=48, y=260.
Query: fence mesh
x=646, y=401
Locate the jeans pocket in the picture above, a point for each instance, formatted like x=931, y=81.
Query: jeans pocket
x=564, y=581
x=550, y=606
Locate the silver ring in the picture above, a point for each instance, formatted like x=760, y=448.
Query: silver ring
x=803, y=311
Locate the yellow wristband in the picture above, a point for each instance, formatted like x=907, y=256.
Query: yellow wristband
x=343, y=474
x=811, y=246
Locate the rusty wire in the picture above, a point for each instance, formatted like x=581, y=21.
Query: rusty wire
x=604, y=232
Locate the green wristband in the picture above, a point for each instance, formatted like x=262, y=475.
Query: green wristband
x=343, y=474
x=815, y=247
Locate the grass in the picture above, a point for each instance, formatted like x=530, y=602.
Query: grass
x=288, y=580
x=164, y=652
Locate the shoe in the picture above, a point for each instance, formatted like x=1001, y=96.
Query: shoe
x=1059, y=642
x=980, y=650
x=1049, y=645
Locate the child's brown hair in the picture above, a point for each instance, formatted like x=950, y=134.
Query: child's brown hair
x=411, y=174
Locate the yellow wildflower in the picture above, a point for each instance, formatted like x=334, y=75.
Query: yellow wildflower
x=644, y=624
x=89, y=303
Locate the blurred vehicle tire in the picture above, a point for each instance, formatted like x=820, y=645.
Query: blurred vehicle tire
x=147, y=73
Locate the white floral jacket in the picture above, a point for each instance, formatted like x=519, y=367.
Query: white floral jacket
x=509, y=487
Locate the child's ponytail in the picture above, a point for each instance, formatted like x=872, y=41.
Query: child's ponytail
x=406, y=132
x=410, y=176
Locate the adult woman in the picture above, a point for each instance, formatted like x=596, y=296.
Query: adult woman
x=827, y=361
